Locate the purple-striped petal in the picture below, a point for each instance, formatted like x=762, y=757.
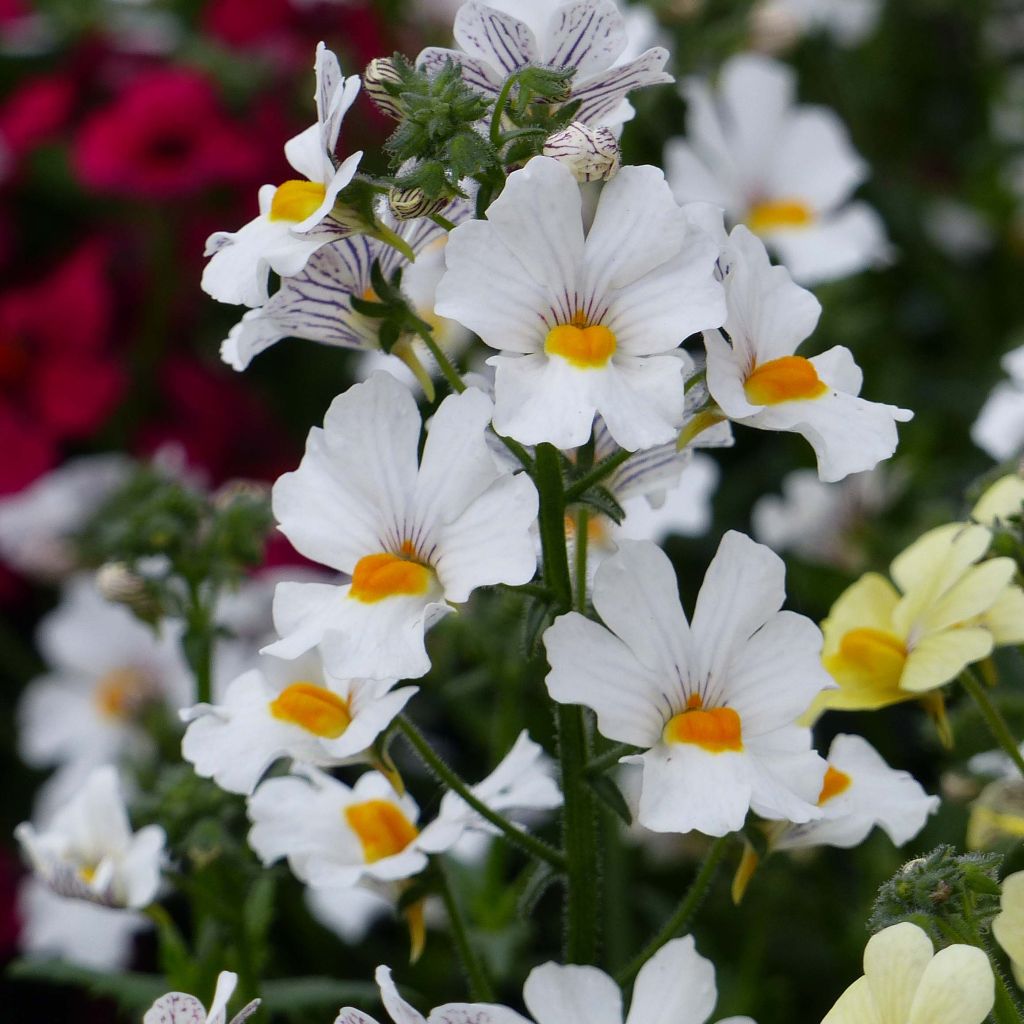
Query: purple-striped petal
x=494, y=37
x=587, y=36
x=602, y=94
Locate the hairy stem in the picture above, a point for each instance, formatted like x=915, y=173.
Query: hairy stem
x=479, y=986
x=993, y=718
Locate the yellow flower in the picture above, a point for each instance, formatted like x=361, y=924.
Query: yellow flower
x=886, y=643
x=906, y=982
x=1008, y=925
x=1002, y=500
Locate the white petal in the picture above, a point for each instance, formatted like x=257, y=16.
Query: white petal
x=676, y=986
x=602, y=96
x=494, y=37
x=586, y=36
x=571, y=994
x=398, y=1009
x=226, y=983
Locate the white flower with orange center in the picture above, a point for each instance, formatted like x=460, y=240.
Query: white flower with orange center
x=713, y=705
x=295, y=217
x=757, y=379
x=859, y=792
x=589, y=36
x=587, y=319
x=337, y=837
x=906, y=982
x=291, y=709
x=786, y=171
x=413, y=534
x=105, y=669
x=884, y=645
x=89, y=852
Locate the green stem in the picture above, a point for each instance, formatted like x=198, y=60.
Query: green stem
x=443, y=222
x=384, y=234
x=552, y=525
x=444, y=363
x=596, y=475
x=479, y=987
x=993, y=718
x=499, y=110
x=684, y=912
x=197, y=643
x=582, y=527
x=517, y=837
x=1007, y=1009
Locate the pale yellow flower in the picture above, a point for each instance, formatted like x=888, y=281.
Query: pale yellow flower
x=1008, y=925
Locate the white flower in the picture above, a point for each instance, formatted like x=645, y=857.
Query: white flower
x=36, y=523
x=848, y=22
x=295, y=217
x=588, y=36
x=181, y=1008
x=89, y=850
x=859, y=792
x=758, y=381
x=999, y=428
x=677, y=984
x=82, y=933
x=906, y=982
x=316, y=303
x=785, y=171
x=588, y=322
x=337, y=837
x=303, y=713
x=713, y=706
x=413, y=536
x=105, y=669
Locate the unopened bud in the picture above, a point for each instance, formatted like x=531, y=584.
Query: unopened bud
x=592, y=154
x=379, y=74
x=116, y=582
x=410, y=203
x=233, y=490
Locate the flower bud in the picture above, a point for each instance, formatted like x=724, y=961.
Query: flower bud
x=117, y=583
x=380, y=73
x=592, y=154
x=409, y=203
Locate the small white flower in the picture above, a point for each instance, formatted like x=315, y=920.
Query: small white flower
x=295, y=217
x=90, y=852
x=757, y=380
x=413, y=535
x=906, y=982
x=785, y=171
x=303, y=713
x=37, y=522
x=589, y=36
x=181, y=1008
x=588, y=321
x=999, y=428
x=713, y=705
x=859, y=792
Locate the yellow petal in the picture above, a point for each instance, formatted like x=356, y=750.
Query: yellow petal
x=895, y=961
x=1002, y=500
x=957, y=987
x=940, y=658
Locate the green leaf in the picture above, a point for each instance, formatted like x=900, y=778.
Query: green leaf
x=133, y=991
x=537, y=617
x=611, y=796
x=540, y=878
x=604, y=501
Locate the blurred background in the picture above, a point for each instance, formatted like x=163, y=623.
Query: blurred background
x=130, y=130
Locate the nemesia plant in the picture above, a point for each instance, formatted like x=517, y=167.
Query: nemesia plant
x=501, y=582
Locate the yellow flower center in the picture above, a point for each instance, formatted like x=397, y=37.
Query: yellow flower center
x=788, y=379
x=834, y=783
x=382, y=828
x=376, y=577
x=871, y=653
x=715, y=730
x=122, y=692
x=296, y=200
x=580, y=344
x=313, y=708
x=777, y=215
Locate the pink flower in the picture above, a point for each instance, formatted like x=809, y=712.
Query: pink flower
x=34, y=112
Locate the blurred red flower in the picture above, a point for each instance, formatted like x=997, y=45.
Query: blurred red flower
x=165, y=137
x=33, y=113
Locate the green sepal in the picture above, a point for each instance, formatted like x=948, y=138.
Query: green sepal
x=611, y=796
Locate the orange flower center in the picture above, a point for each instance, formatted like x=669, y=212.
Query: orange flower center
x=834, y=783
x=382, y=828
x=715, y=730
x=788, y=379
x=873, y=653
x=122, y=692
x=296, y=200
x=376, y=577
x=313, y=708
x=778, y=215
x=580, y=344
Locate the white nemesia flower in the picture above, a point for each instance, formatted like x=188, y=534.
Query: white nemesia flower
x=785, y=171
x=303, y=713
x=295, y=217
x=859, y=792
x=181, y=1008
x=713, y=705
x=906, y=982
x=999, y=428
x=413, y=536
x=589, y=35
x=337, y=837
x=677, y=984
x=36, y=523
x=588, y=321
x=758, y=381
x=105, y=668
x=89, y=851
x=88, y=934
